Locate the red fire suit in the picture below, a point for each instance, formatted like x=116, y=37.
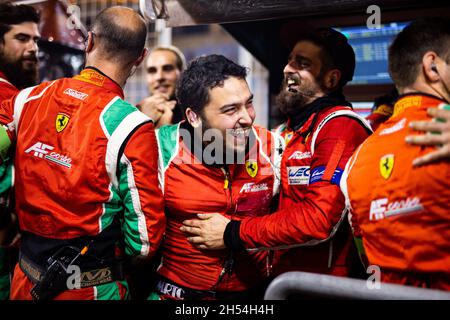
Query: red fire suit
x=311, y=210
x=401, y=212
x=86, y=176
x=7, y=88
x=236, y=191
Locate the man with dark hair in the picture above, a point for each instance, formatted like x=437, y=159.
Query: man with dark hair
x=85, y=172
x=401, y=212
x=216, y=161
x=18, y=69
x=321, y=134
x=164, y=66
x=18, y=47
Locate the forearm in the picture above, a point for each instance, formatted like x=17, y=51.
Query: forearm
x=313, y=219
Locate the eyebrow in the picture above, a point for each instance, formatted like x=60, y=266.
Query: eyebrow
x=298, y=57
x=153, y=68
x=235, y=103
x=21, y=34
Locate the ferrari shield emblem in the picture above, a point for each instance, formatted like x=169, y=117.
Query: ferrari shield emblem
x=61, y=122
x=251, y=167
x=288, y=137
x=386, y=165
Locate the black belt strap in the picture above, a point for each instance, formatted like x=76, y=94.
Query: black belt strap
x=88, y=278
x=167, y=287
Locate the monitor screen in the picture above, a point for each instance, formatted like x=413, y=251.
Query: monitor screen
x=371, y=50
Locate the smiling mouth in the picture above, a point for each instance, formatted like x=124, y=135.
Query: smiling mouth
x=162, y=86
x=240, y=133
x=292, y=84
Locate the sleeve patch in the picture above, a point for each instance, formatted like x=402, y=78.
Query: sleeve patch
x=318, y=173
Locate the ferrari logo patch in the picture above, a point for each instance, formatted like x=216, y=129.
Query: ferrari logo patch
x=288, y=137
x=386, y=165
x=61, y=122
x=251, y=167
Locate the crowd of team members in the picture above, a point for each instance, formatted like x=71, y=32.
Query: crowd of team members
x=219, y=205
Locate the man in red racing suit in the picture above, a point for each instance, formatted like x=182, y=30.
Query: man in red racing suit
x=197, y=181
x=86, y=185
x=321, y=134
x=18, y=69
x=399, y=212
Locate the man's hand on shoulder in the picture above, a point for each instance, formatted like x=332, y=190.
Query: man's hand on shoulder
x=437, y=134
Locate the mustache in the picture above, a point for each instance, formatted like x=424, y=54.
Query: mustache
x=30, y=57
x=291, y=79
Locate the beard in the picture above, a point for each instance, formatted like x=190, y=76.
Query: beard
x=290, y=101
x=16, y=73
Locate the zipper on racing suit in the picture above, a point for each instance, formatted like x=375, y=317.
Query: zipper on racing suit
x=229, y=261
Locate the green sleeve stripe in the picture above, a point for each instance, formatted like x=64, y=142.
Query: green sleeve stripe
x=111, y=291
x=113, y=114
x=359, y=245
x=134, y=225
x=168, y=142
x=111, y=208
x=6, y=177
x=117, y=120
x=5, y=142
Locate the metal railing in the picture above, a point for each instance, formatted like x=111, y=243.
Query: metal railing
x=310, y=285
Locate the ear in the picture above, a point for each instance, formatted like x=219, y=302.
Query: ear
x=430, y=66
x=90, y=42
x=141, y=57
x=193, y=118
x=331, y=80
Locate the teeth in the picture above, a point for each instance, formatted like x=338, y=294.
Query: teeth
x=291, y=81
x=239, y=132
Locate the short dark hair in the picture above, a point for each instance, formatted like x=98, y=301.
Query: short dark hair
x=120, y=43
x=336, y=52
x=11, y=14
x=407, y=49
x=203, y=74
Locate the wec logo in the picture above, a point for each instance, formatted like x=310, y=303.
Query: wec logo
x=40, y=149
x=298, y=175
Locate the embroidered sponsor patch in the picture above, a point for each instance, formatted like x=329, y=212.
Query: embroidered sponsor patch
x=170, y=289
x=298, y=155
x=382, y=208
x=42, y=150
x=96, y=277
x=318, y=172
x=252, y=187
x=298, y=175
x=396, y=127
x=76, y=94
